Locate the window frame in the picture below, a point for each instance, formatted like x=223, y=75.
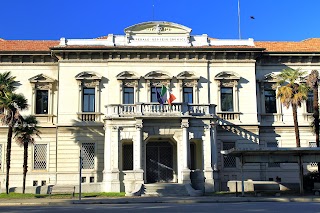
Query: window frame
x=185, y=93
x=89, y=95
x=127, y=143
x=268, y=97
x=42, y=82
x=42, y=103
x=228, y=79
x=226, y=97
x=127, y=96
x=308, y=102
x=89, y=79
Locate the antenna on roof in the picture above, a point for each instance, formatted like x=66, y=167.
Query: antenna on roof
x=239, y=27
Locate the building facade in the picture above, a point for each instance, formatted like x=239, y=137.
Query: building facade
x=100, y=96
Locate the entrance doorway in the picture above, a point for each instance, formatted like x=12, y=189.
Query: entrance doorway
x=159, y=162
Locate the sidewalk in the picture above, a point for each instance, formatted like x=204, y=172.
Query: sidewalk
x=128, y=200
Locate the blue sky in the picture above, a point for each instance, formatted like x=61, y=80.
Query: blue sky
x=274, y=20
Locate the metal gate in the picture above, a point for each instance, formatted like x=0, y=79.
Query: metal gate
x=159, y=162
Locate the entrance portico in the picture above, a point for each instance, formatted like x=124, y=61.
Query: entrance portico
x=160, y=148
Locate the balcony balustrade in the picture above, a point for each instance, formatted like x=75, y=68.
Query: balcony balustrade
x=156, y=109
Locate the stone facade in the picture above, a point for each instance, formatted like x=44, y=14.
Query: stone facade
x=86, y=81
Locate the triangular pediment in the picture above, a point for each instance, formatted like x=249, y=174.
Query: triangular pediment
x=41, y=78
x=227, y=75
x=186, y=75
x=88, y=75
x=127, y=75
x=157, y=75
x=157, y=27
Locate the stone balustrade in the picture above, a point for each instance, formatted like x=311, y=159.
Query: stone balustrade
x=156, y=109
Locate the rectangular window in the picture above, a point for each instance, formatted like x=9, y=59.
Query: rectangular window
x=273, y=145
x=270, y=101
x=127, y=156
x=40, y=157
x=41, y=101
x=154, y=91
x=0, y=157
x=88, y=100
x=229, y=161
x=128, y=95
x=227, y=99
x=88, y=155
x=310, y=102
x=188, y=95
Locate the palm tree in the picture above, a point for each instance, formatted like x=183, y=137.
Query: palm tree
x=312, y=82
x=7, y=83
x=24, y=134
x=12, y=103
x=292, y=93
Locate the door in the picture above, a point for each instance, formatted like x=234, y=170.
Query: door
x=159, y=162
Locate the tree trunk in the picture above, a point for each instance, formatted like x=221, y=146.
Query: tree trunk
x=296, y=127
x=25, y=165
x=8, y=156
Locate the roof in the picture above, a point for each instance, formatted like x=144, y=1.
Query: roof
x=308, y=45
x=279, y=155
x=26, y=45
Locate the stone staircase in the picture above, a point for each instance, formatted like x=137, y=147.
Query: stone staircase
x=164, y=190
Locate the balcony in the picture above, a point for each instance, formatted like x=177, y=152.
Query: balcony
x=229, y=116
x=89, y=116
x=157, y=110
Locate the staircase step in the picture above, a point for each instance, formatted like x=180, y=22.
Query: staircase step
x=165, y=189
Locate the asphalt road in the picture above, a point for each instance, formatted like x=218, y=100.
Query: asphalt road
x=254, y=207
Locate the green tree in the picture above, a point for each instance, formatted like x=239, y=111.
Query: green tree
x=7, y=83
x=12, y=104
x=24, y=135
x=292, y=93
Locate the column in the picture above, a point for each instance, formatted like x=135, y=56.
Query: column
x=111, y=159
x=210, y=156
x=137, y=153
x=185, y=172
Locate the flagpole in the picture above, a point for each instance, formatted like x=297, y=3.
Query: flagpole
x=239, y=27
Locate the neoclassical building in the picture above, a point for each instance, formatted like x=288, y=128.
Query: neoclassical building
x=100, y=96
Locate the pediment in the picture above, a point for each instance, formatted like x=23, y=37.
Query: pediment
x=227, y=75
x=186, y=75
x=88, y=75
x=41, y=78
x=127, y=75
x=157, y=75
x=157, y=27
x=270, y=77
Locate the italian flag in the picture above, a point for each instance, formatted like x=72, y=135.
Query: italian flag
x=166, y=95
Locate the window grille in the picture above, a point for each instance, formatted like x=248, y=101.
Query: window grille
x=313, y=144
x=273, y=145
x=127, y=156
x=88, y=155
x=229, y=161
x=0, y=156
x=40, y=157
